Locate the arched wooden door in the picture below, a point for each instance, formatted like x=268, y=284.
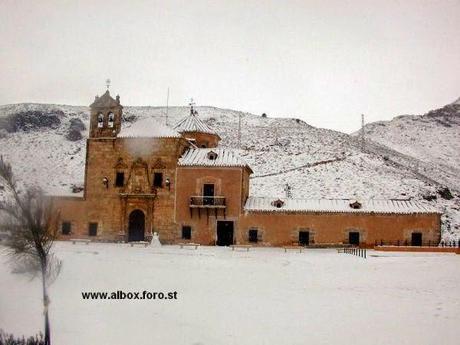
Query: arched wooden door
x=136, y=228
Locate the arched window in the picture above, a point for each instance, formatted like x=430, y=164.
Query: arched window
x=100, y=120
x=111, y=120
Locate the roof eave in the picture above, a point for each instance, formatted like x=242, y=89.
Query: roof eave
x=340, y=211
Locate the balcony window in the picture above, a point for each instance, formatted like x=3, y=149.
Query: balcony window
x=208, y=194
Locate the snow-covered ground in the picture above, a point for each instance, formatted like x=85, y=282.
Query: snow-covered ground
x=263, y=296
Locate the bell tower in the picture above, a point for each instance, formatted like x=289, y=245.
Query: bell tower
x=106, y=115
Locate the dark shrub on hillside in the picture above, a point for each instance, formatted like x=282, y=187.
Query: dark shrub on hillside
x=9, y=339
x=31, y=120
x=445, y=193
x=129, y=118
x=429, y=197
x=77, y=124
x=75, y=128
x=73, y=135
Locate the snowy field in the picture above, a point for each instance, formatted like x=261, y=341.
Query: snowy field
x=264, y=296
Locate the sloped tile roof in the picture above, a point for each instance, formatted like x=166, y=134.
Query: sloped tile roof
x=105, y=101
x=147, y=128
x=193, y=123
x=199, y=157
x=265, y=204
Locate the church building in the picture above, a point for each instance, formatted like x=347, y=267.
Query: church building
x=177, y=181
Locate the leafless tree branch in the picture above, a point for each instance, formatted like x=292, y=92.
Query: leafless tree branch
x=30, y=220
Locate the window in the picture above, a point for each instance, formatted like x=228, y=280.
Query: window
x=120, y=179
x=93, y=229
x=212, y=155
x=353, y=238
x=66, y=228
x=186, y=232
x=278, y=203
x=208, y=194
x=416, y=239
x=356, y=204
x=158, y=180
x=253, y=235
x=304, y=238
x=100, y=120
x=111, y=119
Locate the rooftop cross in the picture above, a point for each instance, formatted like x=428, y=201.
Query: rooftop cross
x=191, y=104
x=107, y=83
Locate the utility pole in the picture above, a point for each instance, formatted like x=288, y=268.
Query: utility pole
x=276, y=134
x=239, y=130
x=167, y=106
x=362, y=132
x=288, y=190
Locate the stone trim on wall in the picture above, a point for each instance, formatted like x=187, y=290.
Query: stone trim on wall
x=362, y=234
x=200, y=182
x=312, y=233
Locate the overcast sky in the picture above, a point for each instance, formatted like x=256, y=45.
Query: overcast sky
x=323, y=61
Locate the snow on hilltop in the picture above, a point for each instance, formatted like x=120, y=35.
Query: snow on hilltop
x=317, y=163
x=431, y=138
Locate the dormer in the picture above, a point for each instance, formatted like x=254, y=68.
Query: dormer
x=278, y=203
x=355, y=204
x=106, y=115
x=212, y=155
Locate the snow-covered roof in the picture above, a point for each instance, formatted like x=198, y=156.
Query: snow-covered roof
x=192, y=123
x=267, y=204
x=212, y=157
x=147, y=128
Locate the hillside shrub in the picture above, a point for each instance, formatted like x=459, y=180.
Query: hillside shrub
x=31, y=120
x=445, y=193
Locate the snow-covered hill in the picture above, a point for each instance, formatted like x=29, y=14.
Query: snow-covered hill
x=433, y=138
x=316, y=163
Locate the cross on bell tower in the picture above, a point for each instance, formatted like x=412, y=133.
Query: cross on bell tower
x=107, y=83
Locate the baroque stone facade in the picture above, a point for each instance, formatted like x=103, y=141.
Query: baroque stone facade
x=178, y=182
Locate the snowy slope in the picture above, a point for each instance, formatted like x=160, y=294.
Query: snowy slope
x=317, y=163
x=433, y=138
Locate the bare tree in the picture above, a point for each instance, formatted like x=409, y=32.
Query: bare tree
x=29, y=217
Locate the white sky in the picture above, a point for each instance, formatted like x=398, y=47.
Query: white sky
x=323, y=61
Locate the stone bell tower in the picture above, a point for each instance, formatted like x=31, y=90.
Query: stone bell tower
x=106, y=115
